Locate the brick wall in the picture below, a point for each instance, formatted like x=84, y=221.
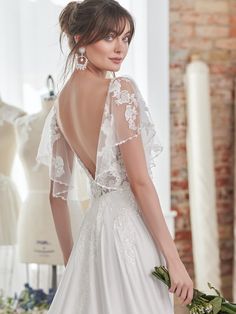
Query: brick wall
x=207, y=27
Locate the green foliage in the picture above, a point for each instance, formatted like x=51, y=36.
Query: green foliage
x=201, y=302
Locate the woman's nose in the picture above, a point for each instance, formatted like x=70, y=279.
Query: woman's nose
x=120, y=46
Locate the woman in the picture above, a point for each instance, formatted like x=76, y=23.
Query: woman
x=106, y=127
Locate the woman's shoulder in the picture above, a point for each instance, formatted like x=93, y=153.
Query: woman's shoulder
x=124, y=83
x=124, y=79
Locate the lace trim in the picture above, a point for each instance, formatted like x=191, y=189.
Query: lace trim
x=61, y=193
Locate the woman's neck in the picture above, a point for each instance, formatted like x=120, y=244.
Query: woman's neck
x=94, y=71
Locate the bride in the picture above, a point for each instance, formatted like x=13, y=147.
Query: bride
x=105, y=126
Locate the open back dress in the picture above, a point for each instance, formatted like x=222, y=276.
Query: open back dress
x=109, y=269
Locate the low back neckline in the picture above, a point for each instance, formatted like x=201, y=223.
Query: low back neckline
x=82, y=164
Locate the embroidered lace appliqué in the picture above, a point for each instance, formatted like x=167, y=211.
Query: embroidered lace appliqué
x=55, y=132
x=130, y=116
x=58, y=164
x=123, y=225
x=124, y=229
x=57, y=161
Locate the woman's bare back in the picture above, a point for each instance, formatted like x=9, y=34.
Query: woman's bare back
x=79, y=114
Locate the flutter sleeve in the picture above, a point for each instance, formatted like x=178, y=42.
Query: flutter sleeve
x=126, y=117
x=132, y=117
x=54, y=152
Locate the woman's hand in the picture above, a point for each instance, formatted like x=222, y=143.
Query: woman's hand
x=181, y=283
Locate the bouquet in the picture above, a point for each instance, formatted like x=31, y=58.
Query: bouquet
x=201, y=302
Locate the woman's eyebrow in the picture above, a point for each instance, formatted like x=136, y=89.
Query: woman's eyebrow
x=127, y=32
x=115, y=32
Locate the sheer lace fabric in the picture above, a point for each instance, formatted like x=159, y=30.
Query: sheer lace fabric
x=125, y=117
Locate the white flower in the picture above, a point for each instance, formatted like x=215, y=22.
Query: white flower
x=115, y=88
x=130, y=116
x=124, y=97
x=54, y=135
x=59, y=166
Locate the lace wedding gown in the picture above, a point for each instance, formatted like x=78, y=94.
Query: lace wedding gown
x=109, y=269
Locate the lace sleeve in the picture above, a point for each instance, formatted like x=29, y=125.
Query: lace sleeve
x=125, y=110
x=55, y=153
x=126, y=117
x=132, y=117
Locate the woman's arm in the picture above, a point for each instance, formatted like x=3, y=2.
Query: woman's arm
x=61, y=217
x=145, y=193
x=147, y=198
x=129, y=117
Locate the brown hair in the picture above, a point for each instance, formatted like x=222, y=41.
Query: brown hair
x=93, y=20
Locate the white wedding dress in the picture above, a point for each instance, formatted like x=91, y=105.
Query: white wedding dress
x=109, y=269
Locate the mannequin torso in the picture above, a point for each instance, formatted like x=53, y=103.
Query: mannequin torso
x=28, y=129
x=9, y=207
x=42, y=245
x=8, y=114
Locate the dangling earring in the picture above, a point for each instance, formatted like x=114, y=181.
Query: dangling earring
x=81, y=60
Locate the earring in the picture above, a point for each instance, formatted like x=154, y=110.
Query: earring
x=81, y=60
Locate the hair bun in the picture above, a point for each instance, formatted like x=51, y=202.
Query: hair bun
x=65, y=16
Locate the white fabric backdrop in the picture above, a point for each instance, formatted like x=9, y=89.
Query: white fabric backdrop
x=201, y=177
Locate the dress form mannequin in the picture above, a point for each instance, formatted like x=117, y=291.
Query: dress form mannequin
x=9, y=198
x=38, y=242
x=9, y=205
